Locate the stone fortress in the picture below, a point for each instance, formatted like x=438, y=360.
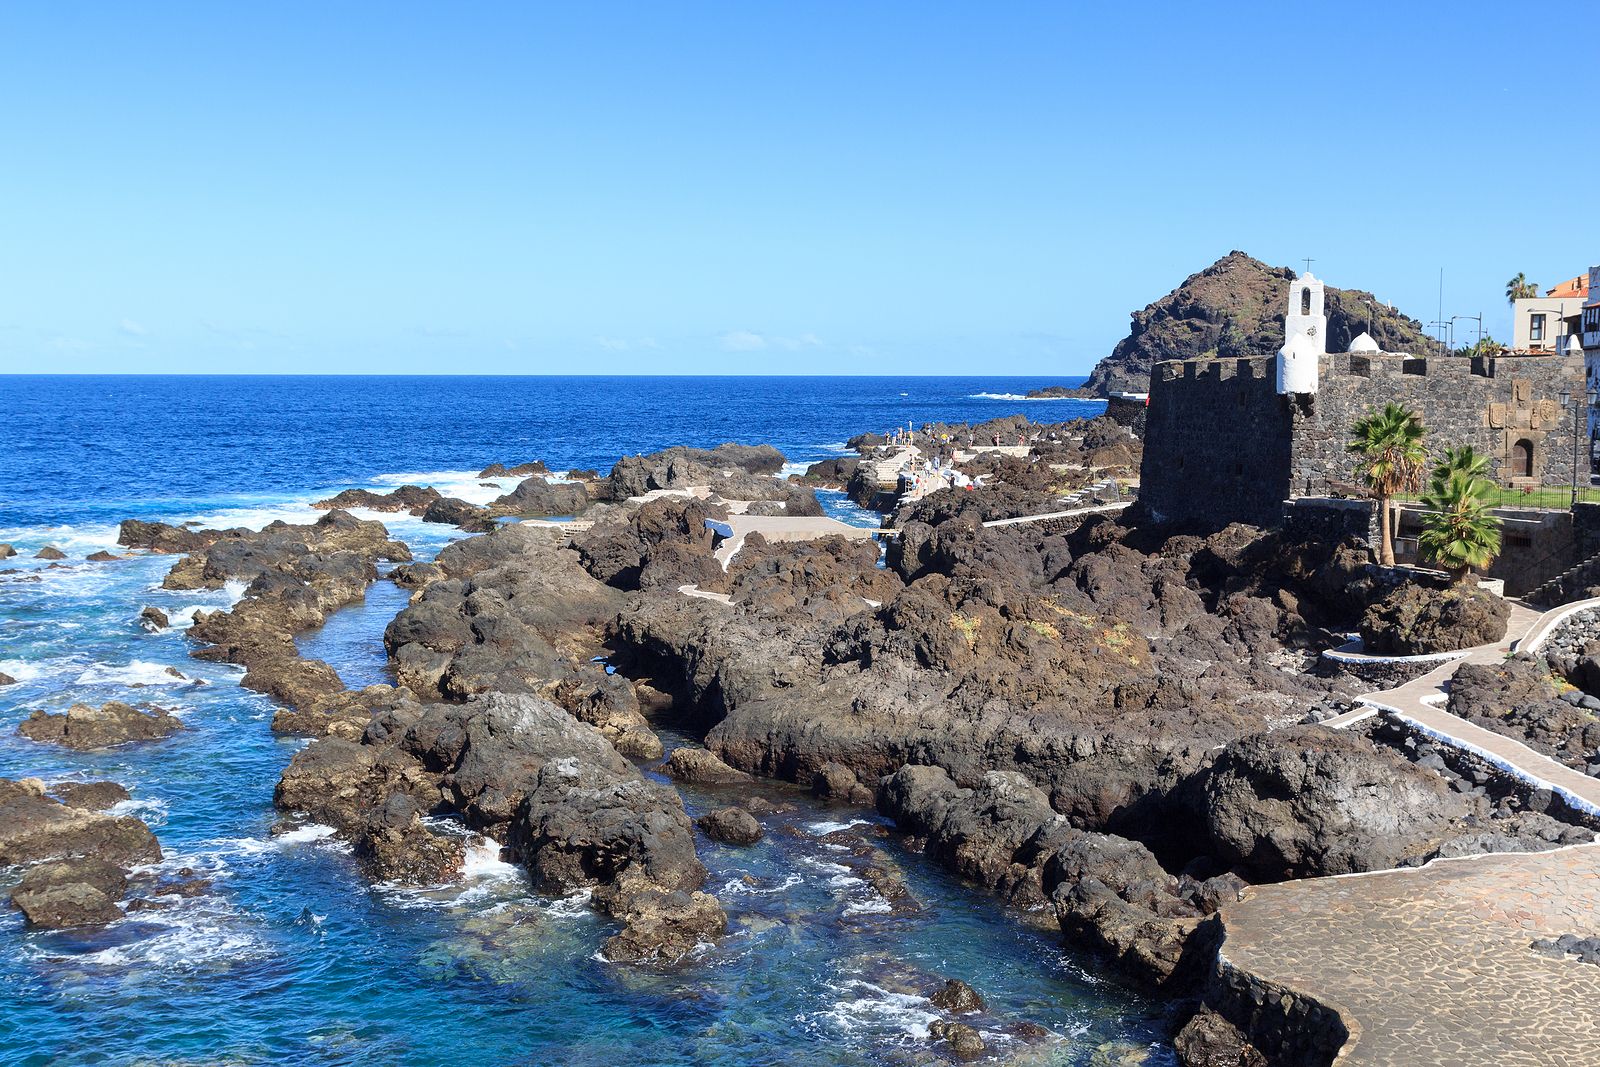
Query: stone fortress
x=1233, y=440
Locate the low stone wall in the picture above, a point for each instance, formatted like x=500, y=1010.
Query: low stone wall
x=1570, y=635
x=1288, y=1027
x=1383, y=672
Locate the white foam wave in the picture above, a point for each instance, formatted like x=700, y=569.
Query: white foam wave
x=866, y=1008
x=75, y=541
x=738, y=887
x=309, y=832
x=151, y=810
x=136, y=673
x=189, y=937
x=873, y=905
x=792, y=470
x=464, y=485
x=1016, y=396
x=825, y=826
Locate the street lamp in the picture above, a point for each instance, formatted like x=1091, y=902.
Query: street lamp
x=1580, y=413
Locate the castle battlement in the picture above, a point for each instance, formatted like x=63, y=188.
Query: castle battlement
x=1229, y=440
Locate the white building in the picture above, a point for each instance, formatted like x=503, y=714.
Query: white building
x=1543, y=323
x=1305, y=337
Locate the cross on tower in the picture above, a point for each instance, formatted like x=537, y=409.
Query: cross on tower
x=1309, y=261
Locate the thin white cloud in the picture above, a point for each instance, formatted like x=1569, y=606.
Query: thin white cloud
x=750, y=341
x=743, y=341
x=612, y=344
x=132, y=328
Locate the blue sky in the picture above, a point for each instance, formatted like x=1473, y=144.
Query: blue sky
x=762, y=188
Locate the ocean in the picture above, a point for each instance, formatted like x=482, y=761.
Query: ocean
x=291, y=956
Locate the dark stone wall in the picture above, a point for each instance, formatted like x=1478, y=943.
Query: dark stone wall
x=1535, y=545
x=1491, y=404
x=1330, y=519
x=1217, y=444
x=1128, y=412
x=1222, y=446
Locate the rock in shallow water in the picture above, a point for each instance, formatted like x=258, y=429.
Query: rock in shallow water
x=732, y=826
x=73, y=892
x=84, y=728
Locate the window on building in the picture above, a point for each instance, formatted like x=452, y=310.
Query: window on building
x=1305, y=300
x=1536, y=327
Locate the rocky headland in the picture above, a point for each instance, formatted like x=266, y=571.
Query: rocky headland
x=1235, y=308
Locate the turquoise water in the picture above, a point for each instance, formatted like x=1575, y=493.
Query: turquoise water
x=291, y=957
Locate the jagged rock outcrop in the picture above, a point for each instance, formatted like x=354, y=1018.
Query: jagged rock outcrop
x=664, y=543
x=83, y=727
x=536, y=497
x=1414, y=620
x=515, y=612
x=297, y=575
x=1519, y=698
x=413, y=499
x=726, y=468
x=1235, y=307
x=525, y=772
x=1305, y=801
x=77, y=858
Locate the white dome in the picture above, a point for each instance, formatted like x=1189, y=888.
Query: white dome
x=1364, y=343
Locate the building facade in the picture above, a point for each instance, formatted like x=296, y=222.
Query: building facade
x=1544, y=323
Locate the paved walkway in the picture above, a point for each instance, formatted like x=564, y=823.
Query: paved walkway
x=1432, y=966
x=1420, y=702
x=1069, y=513
x=735, y=528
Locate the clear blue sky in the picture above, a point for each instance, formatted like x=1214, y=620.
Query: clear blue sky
x=754, y=187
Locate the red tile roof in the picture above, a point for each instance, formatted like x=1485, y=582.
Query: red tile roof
x=1572, y=287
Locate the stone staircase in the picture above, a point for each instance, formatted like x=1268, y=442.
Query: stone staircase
x=1568, y=585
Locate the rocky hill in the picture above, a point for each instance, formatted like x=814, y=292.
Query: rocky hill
x=1235, y=307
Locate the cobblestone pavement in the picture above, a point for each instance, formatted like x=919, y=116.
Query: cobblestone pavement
x=1433, y=965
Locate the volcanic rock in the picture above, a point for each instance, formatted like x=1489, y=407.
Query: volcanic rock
x=49, y=552
x=700, y=767
x=409, y=498
x=83, y=727
x=90, y=796
x=1415, y=620
x=153, y=618
x=957, y=997
x=453, y=511
x=1235, y=308
x=732, y=826
x=36, y=827
x=535, y=497
x=74, y=892
x=1305, y=802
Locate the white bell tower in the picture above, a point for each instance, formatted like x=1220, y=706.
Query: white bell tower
x=1305, y=337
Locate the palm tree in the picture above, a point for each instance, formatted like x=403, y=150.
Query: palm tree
x=1460, y=533
x=1464, y=460
x=1389, y=443
x=1520, y=288
x=1483, y=346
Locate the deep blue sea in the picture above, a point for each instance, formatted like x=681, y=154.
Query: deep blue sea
x=291, y=957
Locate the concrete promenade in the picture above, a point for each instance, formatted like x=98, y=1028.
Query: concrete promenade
x=736, y=528
x=1432, y=966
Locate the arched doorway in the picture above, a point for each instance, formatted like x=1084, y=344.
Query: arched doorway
x=1522, y=459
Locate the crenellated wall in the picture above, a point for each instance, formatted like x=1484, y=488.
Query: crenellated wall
x=1222, y=446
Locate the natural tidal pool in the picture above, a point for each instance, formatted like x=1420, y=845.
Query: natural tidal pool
x=287, y=955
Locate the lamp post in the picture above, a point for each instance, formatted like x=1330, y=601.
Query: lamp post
x=1580, y=413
